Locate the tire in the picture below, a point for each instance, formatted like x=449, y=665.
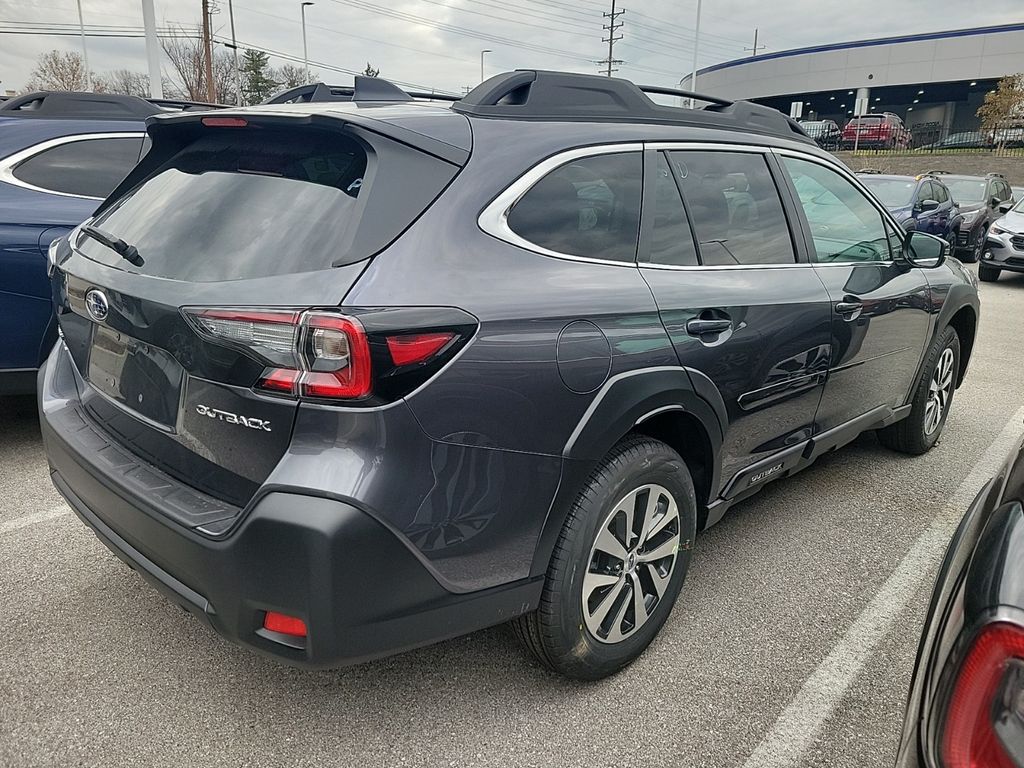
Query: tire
x=568, y=636
x=933, y=396
x=987, y=274
x=973, y=254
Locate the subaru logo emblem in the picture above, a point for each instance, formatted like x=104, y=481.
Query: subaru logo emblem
x=96, y=303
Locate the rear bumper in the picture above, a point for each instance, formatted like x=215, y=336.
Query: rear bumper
x=362, y=591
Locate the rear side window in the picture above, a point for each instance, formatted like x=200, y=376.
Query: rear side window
x=671, y=239
x=588, y=207
x=89, y=167
x=735, y=208
x=256, y=202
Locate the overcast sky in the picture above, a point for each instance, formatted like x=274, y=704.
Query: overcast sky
x=437, y=43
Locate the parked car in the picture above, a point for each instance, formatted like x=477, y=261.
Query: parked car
x=919, y=203
x=965, y=704
x=979, y=199
x=882, y=131
x=825, y=133
x=60, y=155
x=961, y=140
x=344, y=383
x=1004, y=245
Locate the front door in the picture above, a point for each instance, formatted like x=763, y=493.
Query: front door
x=880, y=304
x=739, y=308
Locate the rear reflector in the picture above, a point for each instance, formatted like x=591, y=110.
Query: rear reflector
x=417, y=347
x=984, y=725
x=225, y=122
x=284, y=624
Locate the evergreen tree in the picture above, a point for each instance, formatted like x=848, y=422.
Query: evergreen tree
x=258, y=83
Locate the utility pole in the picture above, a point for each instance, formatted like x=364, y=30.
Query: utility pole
x=696, y=45
x=211, y=91
x=85, y=52
x=756, y=48
x=612, y=26
x=234, y=50
x=156, y=86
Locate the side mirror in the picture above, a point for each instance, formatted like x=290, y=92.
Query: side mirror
x=993, y=202
x=925, y=251
x=1005, y=207
x=929, y=205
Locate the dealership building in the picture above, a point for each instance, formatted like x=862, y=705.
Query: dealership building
x=933, y=81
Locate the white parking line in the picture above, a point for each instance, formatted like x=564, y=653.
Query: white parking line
x=37, y=517
x=799, y=724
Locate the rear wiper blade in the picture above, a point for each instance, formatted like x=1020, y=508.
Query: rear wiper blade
x=126, y=251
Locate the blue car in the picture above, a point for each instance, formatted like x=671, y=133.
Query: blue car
x=60, y=155
x=920, y=203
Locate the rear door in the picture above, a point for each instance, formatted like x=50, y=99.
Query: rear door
x=239, y=226
x=880, y=304
x=739, y=308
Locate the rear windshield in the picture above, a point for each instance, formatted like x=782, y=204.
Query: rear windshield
x=865, y=121
x=241, y=204
x=966, y=190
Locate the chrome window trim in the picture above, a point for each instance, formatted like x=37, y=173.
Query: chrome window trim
x=11, y=162
x=494, y=218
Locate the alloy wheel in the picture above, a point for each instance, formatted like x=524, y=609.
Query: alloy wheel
x=631, y=563
x=939, y=389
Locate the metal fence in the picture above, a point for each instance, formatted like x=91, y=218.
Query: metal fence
x=886, y=135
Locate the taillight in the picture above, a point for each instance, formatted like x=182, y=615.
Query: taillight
x=984, y=722
x=327, y=355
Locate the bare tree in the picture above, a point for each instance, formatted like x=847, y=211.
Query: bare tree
x=58, y=70
x=126, y=81
x=371, y=71
x=292, y=76
x=184, y=49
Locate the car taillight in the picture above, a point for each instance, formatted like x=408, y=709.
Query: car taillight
x=984, y=722
x=327, y=355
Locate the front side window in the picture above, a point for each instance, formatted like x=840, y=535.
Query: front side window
x=941, y=195
x=87, y=167
x=588, y=207
x=844, y=225
x=735, y=208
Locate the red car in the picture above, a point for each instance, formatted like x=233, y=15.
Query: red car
x=885, y=131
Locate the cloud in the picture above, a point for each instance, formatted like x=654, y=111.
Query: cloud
x=437, y=43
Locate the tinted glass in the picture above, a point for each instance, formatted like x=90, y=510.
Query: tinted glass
x=237, y=205
x=91, y=167
x=940, y=192
x=735, y=208
x=845, y=226
x=892, y=193
x=588, y=207
x=671, y=237
x=1003, y=190
x=927, y=192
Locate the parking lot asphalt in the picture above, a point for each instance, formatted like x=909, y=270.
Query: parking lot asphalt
x=99, y=669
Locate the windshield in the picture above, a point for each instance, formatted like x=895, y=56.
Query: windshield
x=966, y=190
x=892, y=193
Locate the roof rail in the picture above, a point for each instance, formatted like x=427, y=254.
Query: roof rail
x=870, y=171
x=546, y=95
x=365, y=89
x=996, y=174
x=935, y=172
x=96, y=106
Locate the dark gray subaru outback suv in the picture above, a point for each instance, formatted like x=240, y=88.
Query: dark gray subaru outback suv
x=348, y=378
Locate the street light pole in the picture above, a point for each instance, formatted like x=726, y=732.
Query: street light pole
x=85, y=52
x=234, y=50
x=485, y=50
x=156, y=86
x=696, y=45
x=305, y=50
